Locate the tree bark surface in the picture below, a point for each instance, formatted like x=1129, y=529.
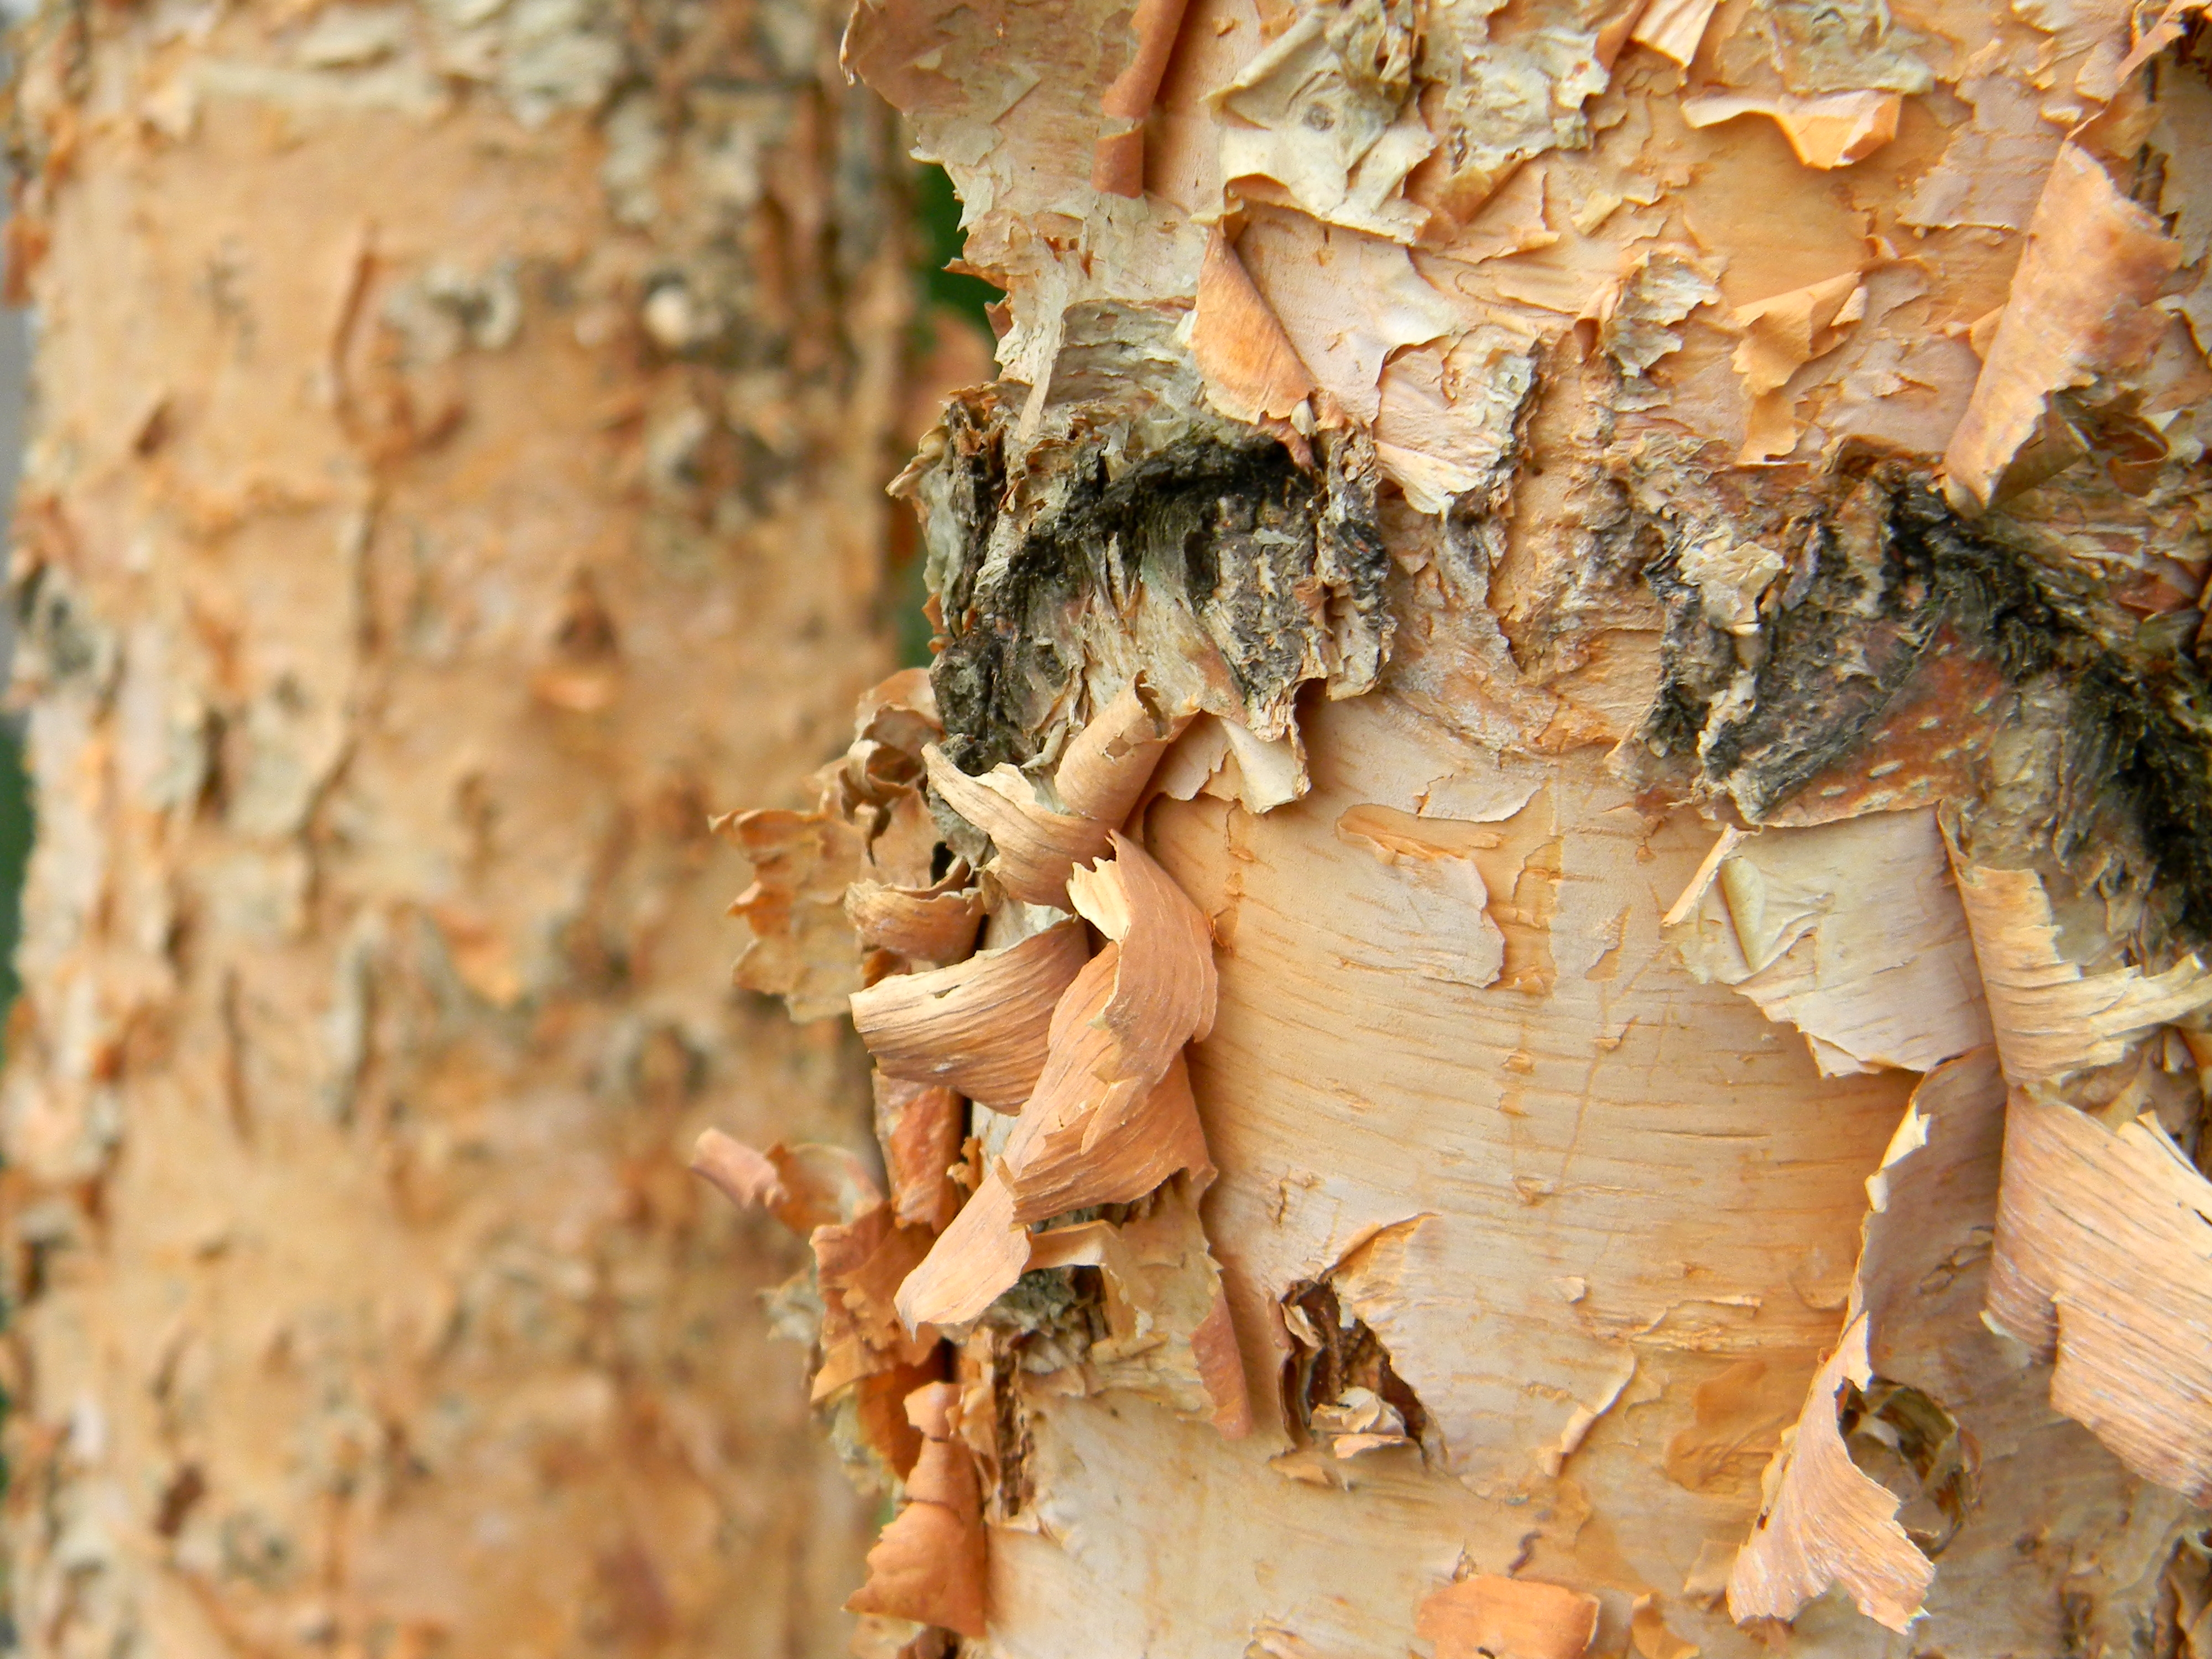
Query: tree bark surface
x=1638, y=569
x=457, y=474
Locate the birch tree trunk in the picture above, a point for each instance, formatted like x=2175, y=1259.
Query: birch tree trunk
x=1569, y=681
x=457, y=472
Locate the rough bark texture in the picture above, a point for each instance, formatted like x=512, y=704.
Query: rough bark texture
x=1582, y=537
x=458, y=472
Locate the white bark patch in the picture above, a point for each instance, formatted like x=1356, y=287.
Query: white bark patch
x=1434, y=888
x=1639, y=321
x=1991, y=166
x=1152, y=1531
x=1168, y=1335
x=2104, y=1264
x=1346, y=300
x=1231, y=762
x=2079, y=309
x=2052, y=1015
x=1333, y=137
x=1853, y=933
x=1445, y=421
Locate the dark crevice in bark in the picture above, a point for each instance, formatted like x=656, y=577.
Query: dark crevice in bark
x=1207, y=522
x=1881, y=580
x=1344, y=1353
x=1915, y=1447
x=1277, y=566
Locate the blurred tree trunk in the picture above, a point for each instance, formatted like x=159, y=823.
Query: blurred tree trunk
x=457, y=472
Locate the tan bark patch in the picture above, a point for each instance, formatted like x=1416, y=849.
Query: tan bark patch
x=1510, y=1619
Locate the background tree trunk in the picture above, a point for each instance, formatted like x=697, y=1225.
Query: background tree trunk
x=1628, y=577
x=457, y=472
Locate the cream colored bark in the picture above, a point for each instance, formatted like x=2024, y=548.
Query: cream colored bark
x=1639, y=564
x=458, y=472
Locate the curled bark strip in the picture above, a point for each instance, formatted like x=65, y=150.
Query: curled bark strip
x=1080, y=1141
x=870, y=827
x=1099, y=780
x=1936, y=1186
x=801, y=948
x=1686, y=902
x=1825, y=1522
x=853, y=1369
x=1118, y=1151
x=803, y=1187
x=860, y=1266
x=1165, y=988
x=1112, y=1117
x=1829, y=132
x=1119, y=166
x=738, y=1172
x=1221, y=1365
x=1033, y=847
x=1922, y=1279
x=2103, y=1262
x=880, y=1413
x=2080, y=306
x=2155, y=39
x=1100, y=1122
x=981, y=1026
x=919, y=1127
x=1106, y=764
x=1508, y=1619
x=936, y=925
x=929, y=1565
x=862, y=1252
x=973, y=1262
x=2052, y=1017
x=901, y=708
x=1252, y=372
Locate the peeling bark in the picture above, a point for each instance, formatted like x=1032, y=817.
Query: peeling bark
x=1680, y=532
